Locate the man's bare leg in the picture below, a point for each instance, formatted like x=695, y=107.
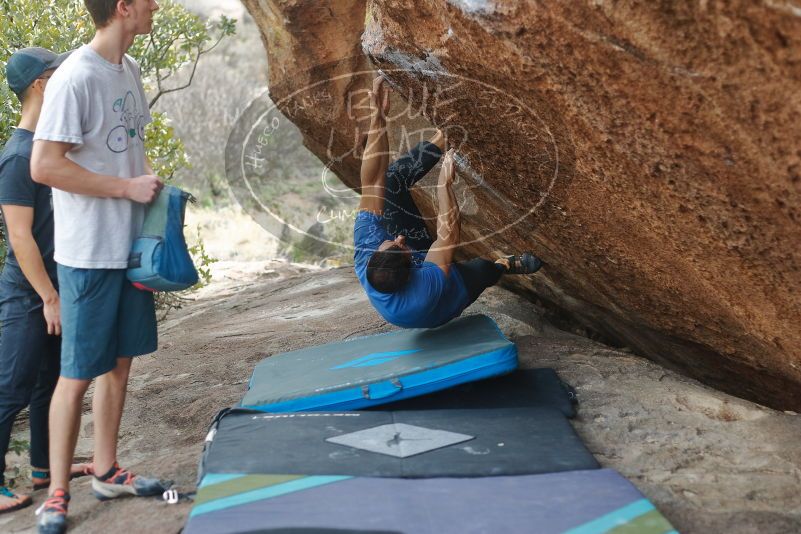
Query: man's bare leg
x=439, y=140
x=65, y=420
x=107, y=405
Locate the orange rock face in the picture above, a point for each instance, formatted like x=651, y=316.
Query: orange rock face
x=649, y=153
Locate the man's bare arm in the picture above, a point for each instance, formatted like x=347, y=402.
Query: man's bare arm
x=50, y=166
x=448, y=220
x=376, y=152
x=19, y=223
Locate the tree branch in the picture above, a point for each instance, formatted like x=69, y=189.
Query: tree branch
x=167, y=49
x=158, y=86
x=163, y=92
x=149, y=43
x=200, y=52
x=212, y=47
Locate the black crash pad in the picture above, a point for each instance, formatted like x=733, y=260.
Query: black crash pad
x=536, y=388
x=466, y=443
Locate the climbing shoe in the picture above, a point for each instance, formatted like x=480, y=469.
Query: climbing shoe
x=118, y=482
x=52, y=515
x=13, y=501
x=526, y=263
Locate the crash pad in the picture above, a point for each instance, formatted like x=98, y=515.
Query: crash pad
x=541, y=388
x=373, y=370
x=575, y=502
x=425, y=443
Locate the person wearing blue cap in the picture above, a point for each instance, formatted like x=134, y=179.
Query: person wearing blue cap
x=89, y=146
x=30, y=340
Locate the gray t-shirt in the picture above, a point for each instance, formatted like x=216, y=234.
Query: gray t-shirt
x=101, y=108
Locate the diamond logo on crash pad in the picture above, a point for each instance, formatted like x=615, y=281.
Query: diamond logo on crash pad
x=400, y=440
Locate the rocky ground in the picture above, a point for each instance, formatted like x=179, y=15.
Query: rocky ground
x=710, y=462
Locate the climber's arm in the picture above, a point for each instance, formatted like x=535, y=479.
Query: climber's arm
x=376, y=152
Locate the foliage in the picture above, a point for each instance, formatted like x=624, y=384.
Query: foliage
x=36, y=23
x=178, y=41
x=18, y=447
x=203, y=261
x=165, y=150
x=179, y=38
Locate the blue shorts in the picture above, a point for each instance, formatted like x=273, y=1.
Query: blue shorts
x=103, y=317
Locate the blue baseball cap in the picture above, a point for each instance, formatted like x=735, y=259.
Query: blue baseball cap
x=26, y=65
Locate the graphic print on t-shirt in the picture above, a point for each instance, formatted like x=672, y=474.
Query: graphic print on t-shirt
x=133, y=124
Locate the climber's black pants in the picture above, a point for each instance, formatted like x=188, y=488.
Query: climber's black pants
x=479, y=274
x=401, y=216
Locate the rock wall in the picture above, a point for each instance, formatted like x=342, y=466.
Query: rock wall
x=649, y=153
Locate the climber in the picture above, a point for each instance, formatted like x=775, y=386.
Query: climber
x=411, y=279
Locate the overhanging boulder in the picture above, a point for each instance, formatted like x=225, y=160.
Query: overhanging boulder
x=650, y=153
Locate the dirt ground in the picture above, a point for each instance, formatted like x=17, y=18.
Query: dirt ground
x=710, y=462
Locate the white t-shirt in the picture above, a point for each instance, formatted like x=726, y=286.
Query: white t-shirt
x=101, y=108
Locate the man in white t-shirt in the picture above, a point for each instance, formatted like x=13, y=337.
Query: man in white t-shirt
x=89, y=147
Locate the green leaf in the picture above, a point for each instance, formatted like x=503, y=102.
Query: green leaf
x=178, y=39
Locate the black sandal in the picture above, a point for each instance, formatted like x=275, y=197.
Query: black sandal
x=82, y=470
x=526, y=263
x=20, y=501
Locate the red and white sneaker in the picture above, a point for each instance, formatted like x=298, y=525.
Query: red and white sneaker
x=52, y=515
x=119, y=482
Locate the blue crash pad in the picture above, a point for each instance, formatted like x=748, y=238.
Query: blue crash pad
x=374, y=370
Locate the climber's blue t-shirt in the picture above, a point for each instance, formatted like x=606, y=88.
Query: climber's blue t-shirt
x=429, y=298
